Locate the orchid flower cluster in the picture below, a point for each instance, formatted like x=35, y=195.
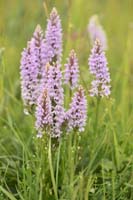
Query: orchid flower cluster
x=42, y=80
x=96, y=31
x=100, y=86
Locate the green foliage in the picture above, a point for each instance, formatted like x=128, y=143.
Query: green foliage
x=78, y=166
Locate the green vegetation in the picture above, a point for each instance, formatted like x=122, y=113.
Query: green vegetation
x=81, y=166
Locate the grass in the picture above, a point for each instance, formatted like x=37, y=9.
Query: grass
x=81, y=166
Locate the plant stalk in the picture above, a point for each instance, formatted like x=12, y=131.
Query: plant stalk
x=97, y=115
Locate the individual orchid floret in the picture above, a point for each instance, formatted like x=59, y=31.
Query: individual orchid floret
x=43, y=113
x=53, y=39
x=77, y=114
x=72, y=70
x=31, y=69
x=96, y=31
x=100, y=86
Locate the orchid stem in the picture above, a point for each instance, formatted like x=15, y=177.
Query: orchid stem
x=97, y=115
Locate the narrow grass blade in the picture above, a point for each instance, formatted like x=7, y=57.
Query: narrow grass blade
x=8, y=194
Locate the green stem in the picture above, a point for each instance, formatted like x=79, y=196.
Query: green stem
x=70, y=163
x=52, y=171
x=70, y=94
x=97, y=115
x=57, y=164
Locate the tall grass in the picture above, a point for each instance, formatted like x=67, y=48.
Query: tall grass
x=78, y=166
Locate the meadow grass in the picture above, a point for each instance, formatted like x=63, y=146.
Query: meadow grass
x=92, y=165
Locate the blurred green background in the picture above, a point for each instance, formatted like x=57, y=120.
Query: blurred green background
x=18, y=19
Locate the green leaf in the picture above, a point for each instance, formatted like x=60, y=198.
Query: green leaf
x=9, y=195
